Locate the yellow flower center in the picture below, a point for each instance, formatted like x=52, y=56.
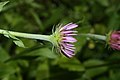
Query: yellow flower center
x=56, y=38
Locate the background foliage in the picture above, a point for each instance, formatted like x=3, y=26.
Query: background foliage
x=93, y=60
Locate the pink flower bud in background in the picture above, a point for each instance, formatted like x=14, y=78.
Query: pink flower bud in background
x=114, y=40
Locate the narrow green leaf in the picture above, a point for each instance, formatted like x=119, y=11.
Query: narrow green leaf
x=2, y=4
x=17, y=41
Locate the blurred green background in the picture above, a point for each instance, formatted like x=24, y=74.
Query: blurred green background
x=94, y=60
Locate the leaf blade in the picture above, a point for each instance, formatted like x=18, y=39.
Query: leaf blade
x=2, y=4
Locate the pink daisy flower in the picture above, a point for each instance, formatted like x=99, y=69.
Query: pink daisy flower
x=64, y=39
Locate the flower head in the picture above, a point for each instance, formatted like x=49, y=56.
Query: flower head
x=114, y=40
x=63, y=39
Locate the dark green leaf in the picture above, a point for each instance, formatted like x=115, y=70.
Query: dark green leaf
x=2, y=4
x=94, y=71
x=71, y=64
x=6, y=70
x=43, y=52
x=43, y=71
x=3, y=55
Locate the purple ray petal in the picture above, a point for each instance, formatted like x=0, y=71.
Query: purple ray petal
x=115, y=46
x=72, y=26
x=115, y=36
x=65, y=53
x=69, y=39
x=69, y=44
x=69, y=52
x=64, y=27
x=68, y=32
x=68, y=48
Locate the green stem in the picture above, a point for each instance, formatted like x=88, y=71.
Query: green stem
x=95, y=36
x=26, y=35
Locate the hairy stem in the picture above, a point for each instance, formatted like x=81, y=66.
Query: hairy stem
x=26, y=35
x=95, y=36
